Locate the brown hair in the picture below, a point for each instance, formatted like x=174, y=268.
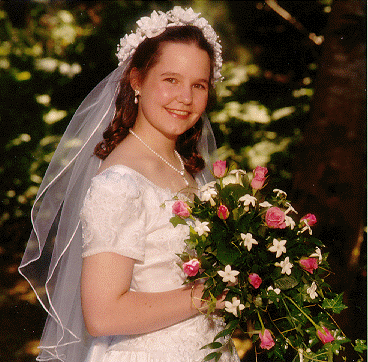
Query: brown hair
x=145, y=57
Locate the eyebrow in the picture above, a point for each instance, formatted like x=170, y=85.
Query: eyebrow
x=177, y=74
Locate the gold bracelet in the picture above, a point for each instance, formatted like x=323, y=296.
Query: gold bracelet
x=192, y=297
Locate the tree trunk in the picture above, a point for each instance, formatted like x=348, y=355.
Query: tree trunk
x=330, y=177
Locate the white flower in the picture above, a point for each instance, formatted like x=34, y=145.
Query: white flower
x=300, y=352
x=201, y=228
x=280, y=193
x=285, y=266
x=154, y=25
x=289, y=222
x=265, y=204
x=317, y=254
x=290, y=208
x=306, y=227
x=238, y=174
x=312, y=291
x=233, y=306
x=228, y=275
x=208, y=192
x=248, y=240
x=248, y=200
x=276, y=290
x=186, y=16
x=278, y=247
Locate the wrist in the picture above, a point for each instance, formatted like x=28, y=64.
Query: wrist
x=198, y=303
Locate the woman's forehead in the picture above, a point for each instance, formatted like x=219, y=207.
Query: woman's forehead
x=186, y=58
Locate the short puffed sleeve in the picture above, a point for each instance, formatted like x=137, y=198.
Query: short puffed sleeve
x=112, y=216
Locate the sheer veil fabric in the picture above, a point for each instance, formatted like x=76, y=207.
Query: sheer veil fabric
x=52, y=260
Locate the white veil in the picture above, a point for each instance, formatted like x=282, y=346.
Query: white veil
x=52, y=260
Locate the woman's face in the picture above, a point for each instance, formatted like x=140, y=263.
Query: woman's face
x=174, y=93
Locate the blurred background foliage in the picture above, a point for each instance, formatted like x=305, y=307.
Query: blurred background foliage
x=52, y=53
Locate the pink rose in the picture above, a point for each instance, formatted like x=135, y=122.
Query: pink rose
x=310, y=219
x=191, y=267
x=219, y=168
x=255, y=280
x=325, y=335
x=309, y=264
x=267, y=341
x=275, y=218
x=223, y=212
x=181, y=209
x=259, y=177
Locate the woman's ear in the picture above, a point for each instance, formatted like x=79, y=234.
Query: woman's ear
x=135, y=79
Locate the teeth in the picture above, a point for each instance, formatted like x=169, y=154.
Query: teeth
x=179, y=113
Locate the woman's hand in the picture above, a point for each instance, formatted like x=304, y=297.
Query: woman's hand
x=202, y=304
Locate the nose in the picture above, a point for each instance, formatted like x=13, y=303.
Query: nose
x=185, y=94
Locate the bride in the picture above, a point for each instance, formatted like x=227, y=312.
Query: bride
x=102, y=255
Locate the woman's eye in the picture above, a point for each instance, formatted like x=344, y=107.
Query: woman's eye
x=200, y=86
x=171, y=80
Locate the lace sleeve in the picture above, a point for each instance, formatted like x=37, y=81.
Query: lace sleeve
x=113, y=217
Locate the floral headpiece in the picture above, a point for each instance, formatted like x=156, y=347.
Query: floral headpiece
x=150, y=27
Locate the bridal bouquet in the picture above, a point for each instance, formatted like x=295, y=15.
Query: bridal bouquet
x=252, y=248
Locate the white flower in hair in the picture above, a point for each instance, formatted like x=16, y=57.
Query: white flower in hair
x=201, y=23
x=157, y=23
x=183, y=16
x=154, y=25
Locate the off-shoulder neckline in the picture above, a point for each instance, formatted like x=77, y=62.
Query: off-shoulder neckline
x=137, y=173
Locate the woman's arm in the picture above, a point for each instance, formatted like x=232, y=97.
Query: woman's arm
x=109, y=308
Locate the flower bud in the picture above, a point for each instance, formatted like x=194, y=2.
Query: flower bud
x=181, y=208
x=267, y=341
x=325, y=336
x=223, y=212
x=310, y=219
x=219, y=168
x=255, y=280
x=309, y=264
x=191, y=267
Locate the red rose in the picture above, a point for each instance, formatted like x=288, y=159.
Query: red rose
x=255, y=280
x=223, y=212
x=191, y=267
x=219, y=168
x=181, y=209
x=275, y=218
x=325, y=336
x=267, y=341
x=310, y=219
x=309, y=264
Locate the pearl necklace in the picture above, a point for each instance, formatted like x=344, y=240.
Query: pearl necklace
x=180, y=172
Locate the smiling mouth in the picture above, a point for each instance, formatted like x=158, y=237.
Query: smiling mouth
x=178, y=112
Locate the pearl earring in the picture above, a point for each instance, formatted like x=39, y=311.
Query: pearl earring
x=136, y=94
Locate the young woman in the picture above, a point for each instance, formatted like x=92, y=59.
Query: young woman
x=126, y=301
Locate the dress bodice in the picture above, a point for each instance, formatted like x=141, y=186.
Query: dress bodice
x=127, y=214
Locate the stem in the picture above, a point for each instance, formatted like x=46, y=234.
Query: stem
x=260, y=320
x=306, y=315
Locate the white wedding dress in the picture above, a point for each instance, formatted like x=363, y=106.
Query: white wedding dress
x=125, y=213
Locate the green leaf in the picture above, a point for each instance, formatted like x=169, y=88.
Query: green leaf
x=213, y=345
x=286, y=282
x=176, y=220
x=214, y=355
x=223, y=333
x=335, y=304
x=360, y=345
